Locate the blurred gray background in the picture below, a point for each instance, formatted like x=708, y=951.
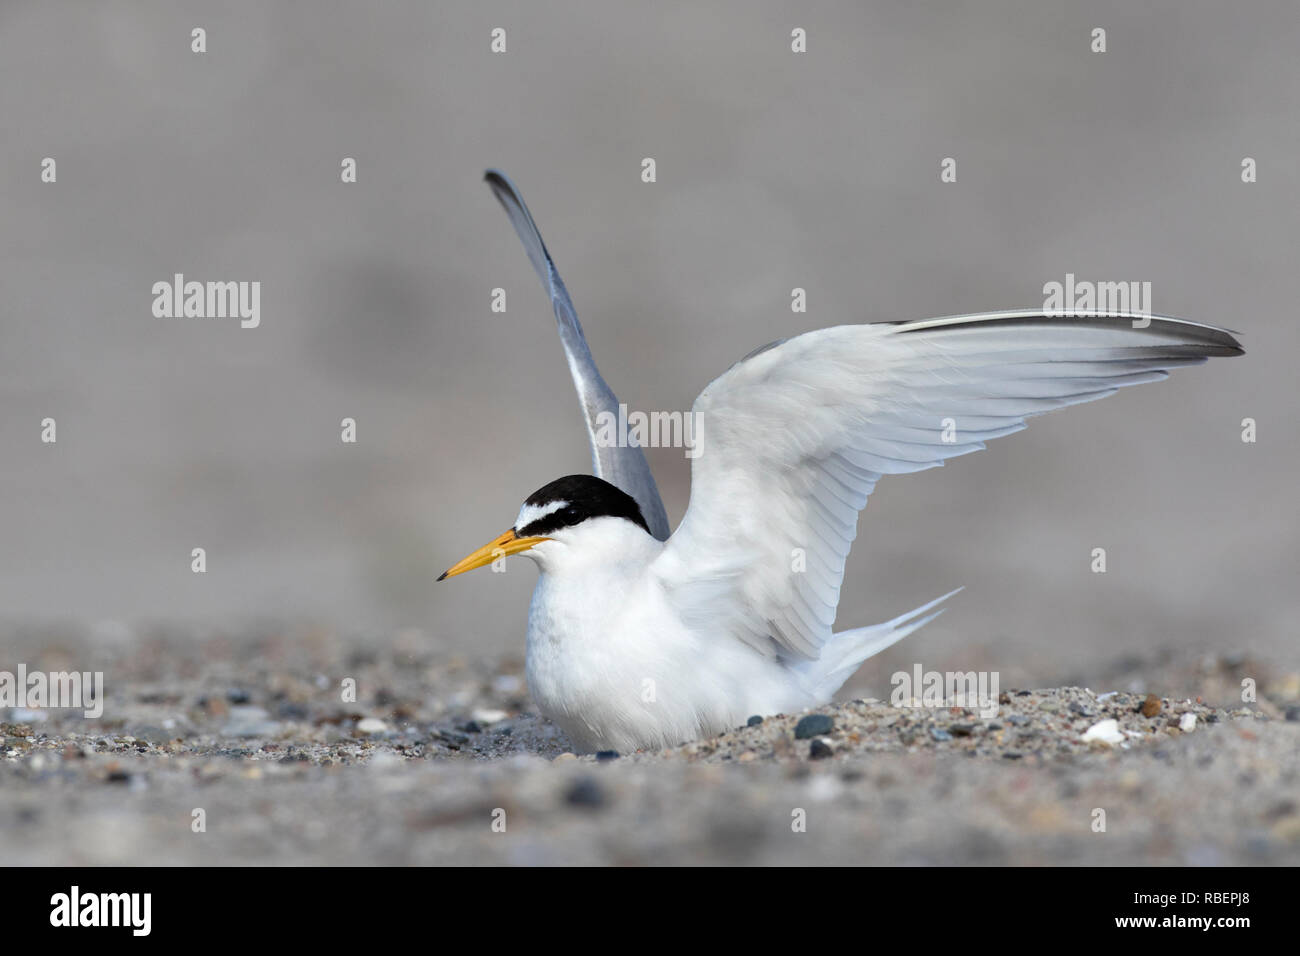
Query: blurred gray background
x=775, y=170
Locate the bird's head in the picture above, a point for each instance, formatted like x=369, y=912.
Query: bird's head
x=575, y=513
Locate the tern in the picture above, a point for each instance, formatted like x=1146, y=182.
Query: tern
x=641, y=639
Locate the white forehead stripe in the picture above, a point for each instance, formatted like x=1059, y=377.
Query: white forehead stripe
x=530, y=513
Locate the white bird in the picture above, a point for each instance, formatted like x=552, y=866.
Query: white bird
x=639, y=640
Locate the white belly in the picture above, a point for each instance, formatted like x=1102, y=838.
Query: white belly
x=626, y=674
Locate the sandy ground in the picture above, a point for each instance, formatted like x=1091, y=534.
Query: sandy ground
x=440, y=761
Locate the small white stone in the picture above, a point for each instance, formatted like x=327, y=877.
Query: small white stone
x=1187, y=723
x=486, y=717
x=372, y=725
x=1107, y=731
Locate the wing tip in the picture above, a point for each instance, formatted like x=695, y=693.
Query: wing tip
x=1209, y=340
x=502, y=186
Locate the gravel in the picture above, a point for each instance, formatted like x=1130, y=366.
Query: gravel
x=438, y=759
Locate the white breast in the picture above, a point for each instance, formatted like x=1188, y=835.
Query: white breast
x=611, y=662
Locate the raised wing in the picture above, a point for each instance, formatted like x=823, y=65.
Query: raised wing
x=623, y=465
x=794, y=438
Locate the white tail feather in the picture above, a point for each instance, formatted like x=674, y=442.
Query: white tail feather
x=846, y=651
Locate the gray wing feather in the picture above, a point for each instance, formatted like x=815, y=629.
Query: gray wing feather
x=625, y=465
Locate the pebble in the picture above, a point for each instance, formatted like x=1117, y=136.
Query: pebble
x=288, y=710
x=487, y=717
x=451, y=738
x=245, y=721
x=756, y=720
x=585, y=793
x=820, y=748
x=939, y=733
x=814, y=725
x=1106, y=731
x=1187, y=723
x=372, y=725
x=604, y=756
x=148, y=734
x=1151, y=706
x=565, y=757
x=1293, y=714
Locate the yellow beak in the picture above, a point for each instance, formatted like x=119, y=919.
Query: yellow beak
x=507, y=544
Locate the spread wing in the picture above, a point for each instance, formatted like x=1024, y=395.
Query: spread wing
x=793, y=439
x=623, y=465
